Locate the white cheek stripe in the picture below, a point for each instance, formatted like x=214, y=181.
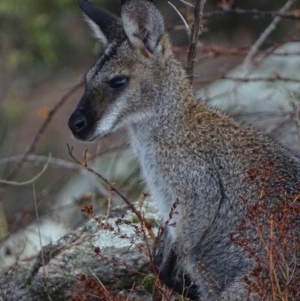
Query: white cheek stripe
x=108, y=121
x=107, y=124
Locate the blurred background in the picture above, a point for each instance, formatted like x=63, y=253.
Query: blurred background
x=45, y=50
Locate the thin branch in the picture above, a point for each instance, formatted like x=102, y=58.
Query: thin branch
x=108, y=205
x=3, y=224
x=252, y=13
x=187, y=28
x=115, y=189
x=214, y=51
x=196, y=31
x=14, y=183
x=248, y=79
x=295, y=109
x=108, y=294
x=37, y=159
x=264, y=36
x=40, y=132
x=270, y=253
x=187, y=3
x=40, y=239
x=267, y=79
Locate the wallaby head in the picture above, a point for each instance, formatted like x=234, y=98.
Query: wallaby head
x=124, y=82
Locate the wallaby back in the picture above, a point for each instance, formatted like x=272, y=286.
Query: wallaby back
x=213, y=167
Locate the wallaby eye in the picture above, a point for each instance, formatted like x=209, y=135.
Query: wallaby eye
x=118, y=82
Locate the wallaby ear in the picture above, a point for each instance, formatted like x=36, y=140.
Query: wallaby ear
x=105, y=26
x=143, y=23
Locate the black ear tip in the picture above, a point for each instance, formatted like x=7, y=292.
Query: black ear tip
x=88, y=8
x=83, y=4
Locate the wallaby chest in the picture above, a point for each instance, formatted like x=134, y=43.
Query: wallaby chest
x=145, y=149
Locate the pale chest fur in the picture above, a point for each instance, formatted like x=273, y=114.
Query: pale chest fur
x=145, y=149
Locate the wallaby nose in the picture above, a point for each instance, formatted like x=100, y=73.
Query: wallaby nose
x=77, y=122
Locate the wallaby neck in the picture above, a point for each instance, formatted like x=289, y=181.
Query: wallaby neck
x=170, y=93
x=176, y=87
x=175, y=93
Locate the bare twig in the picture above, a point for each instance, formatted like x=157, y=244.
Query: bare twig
x=295, y=114
x=196, y=31
x=270, y=252
x=187, y=28
x=252, y=13
x=264, y=36
x=108, y=205
x=3, y=223
x=40, y=239
x=115, y=189
x=248, y=79
x=130, y=292
x=14, y=183
x=214, y=51
x=187, y=3
x=108, y=294
x=46, y=290
x=42, y=129
x=38, y=159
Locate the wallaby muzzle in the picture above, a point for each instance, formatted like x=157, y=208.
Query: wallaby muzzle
x=79, y=124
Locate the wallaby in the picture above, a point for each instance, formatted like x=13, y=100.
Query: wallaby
x=188, y=152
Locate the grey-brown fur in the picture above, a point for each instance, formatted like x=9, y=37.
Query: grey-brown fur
x=187, y=151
